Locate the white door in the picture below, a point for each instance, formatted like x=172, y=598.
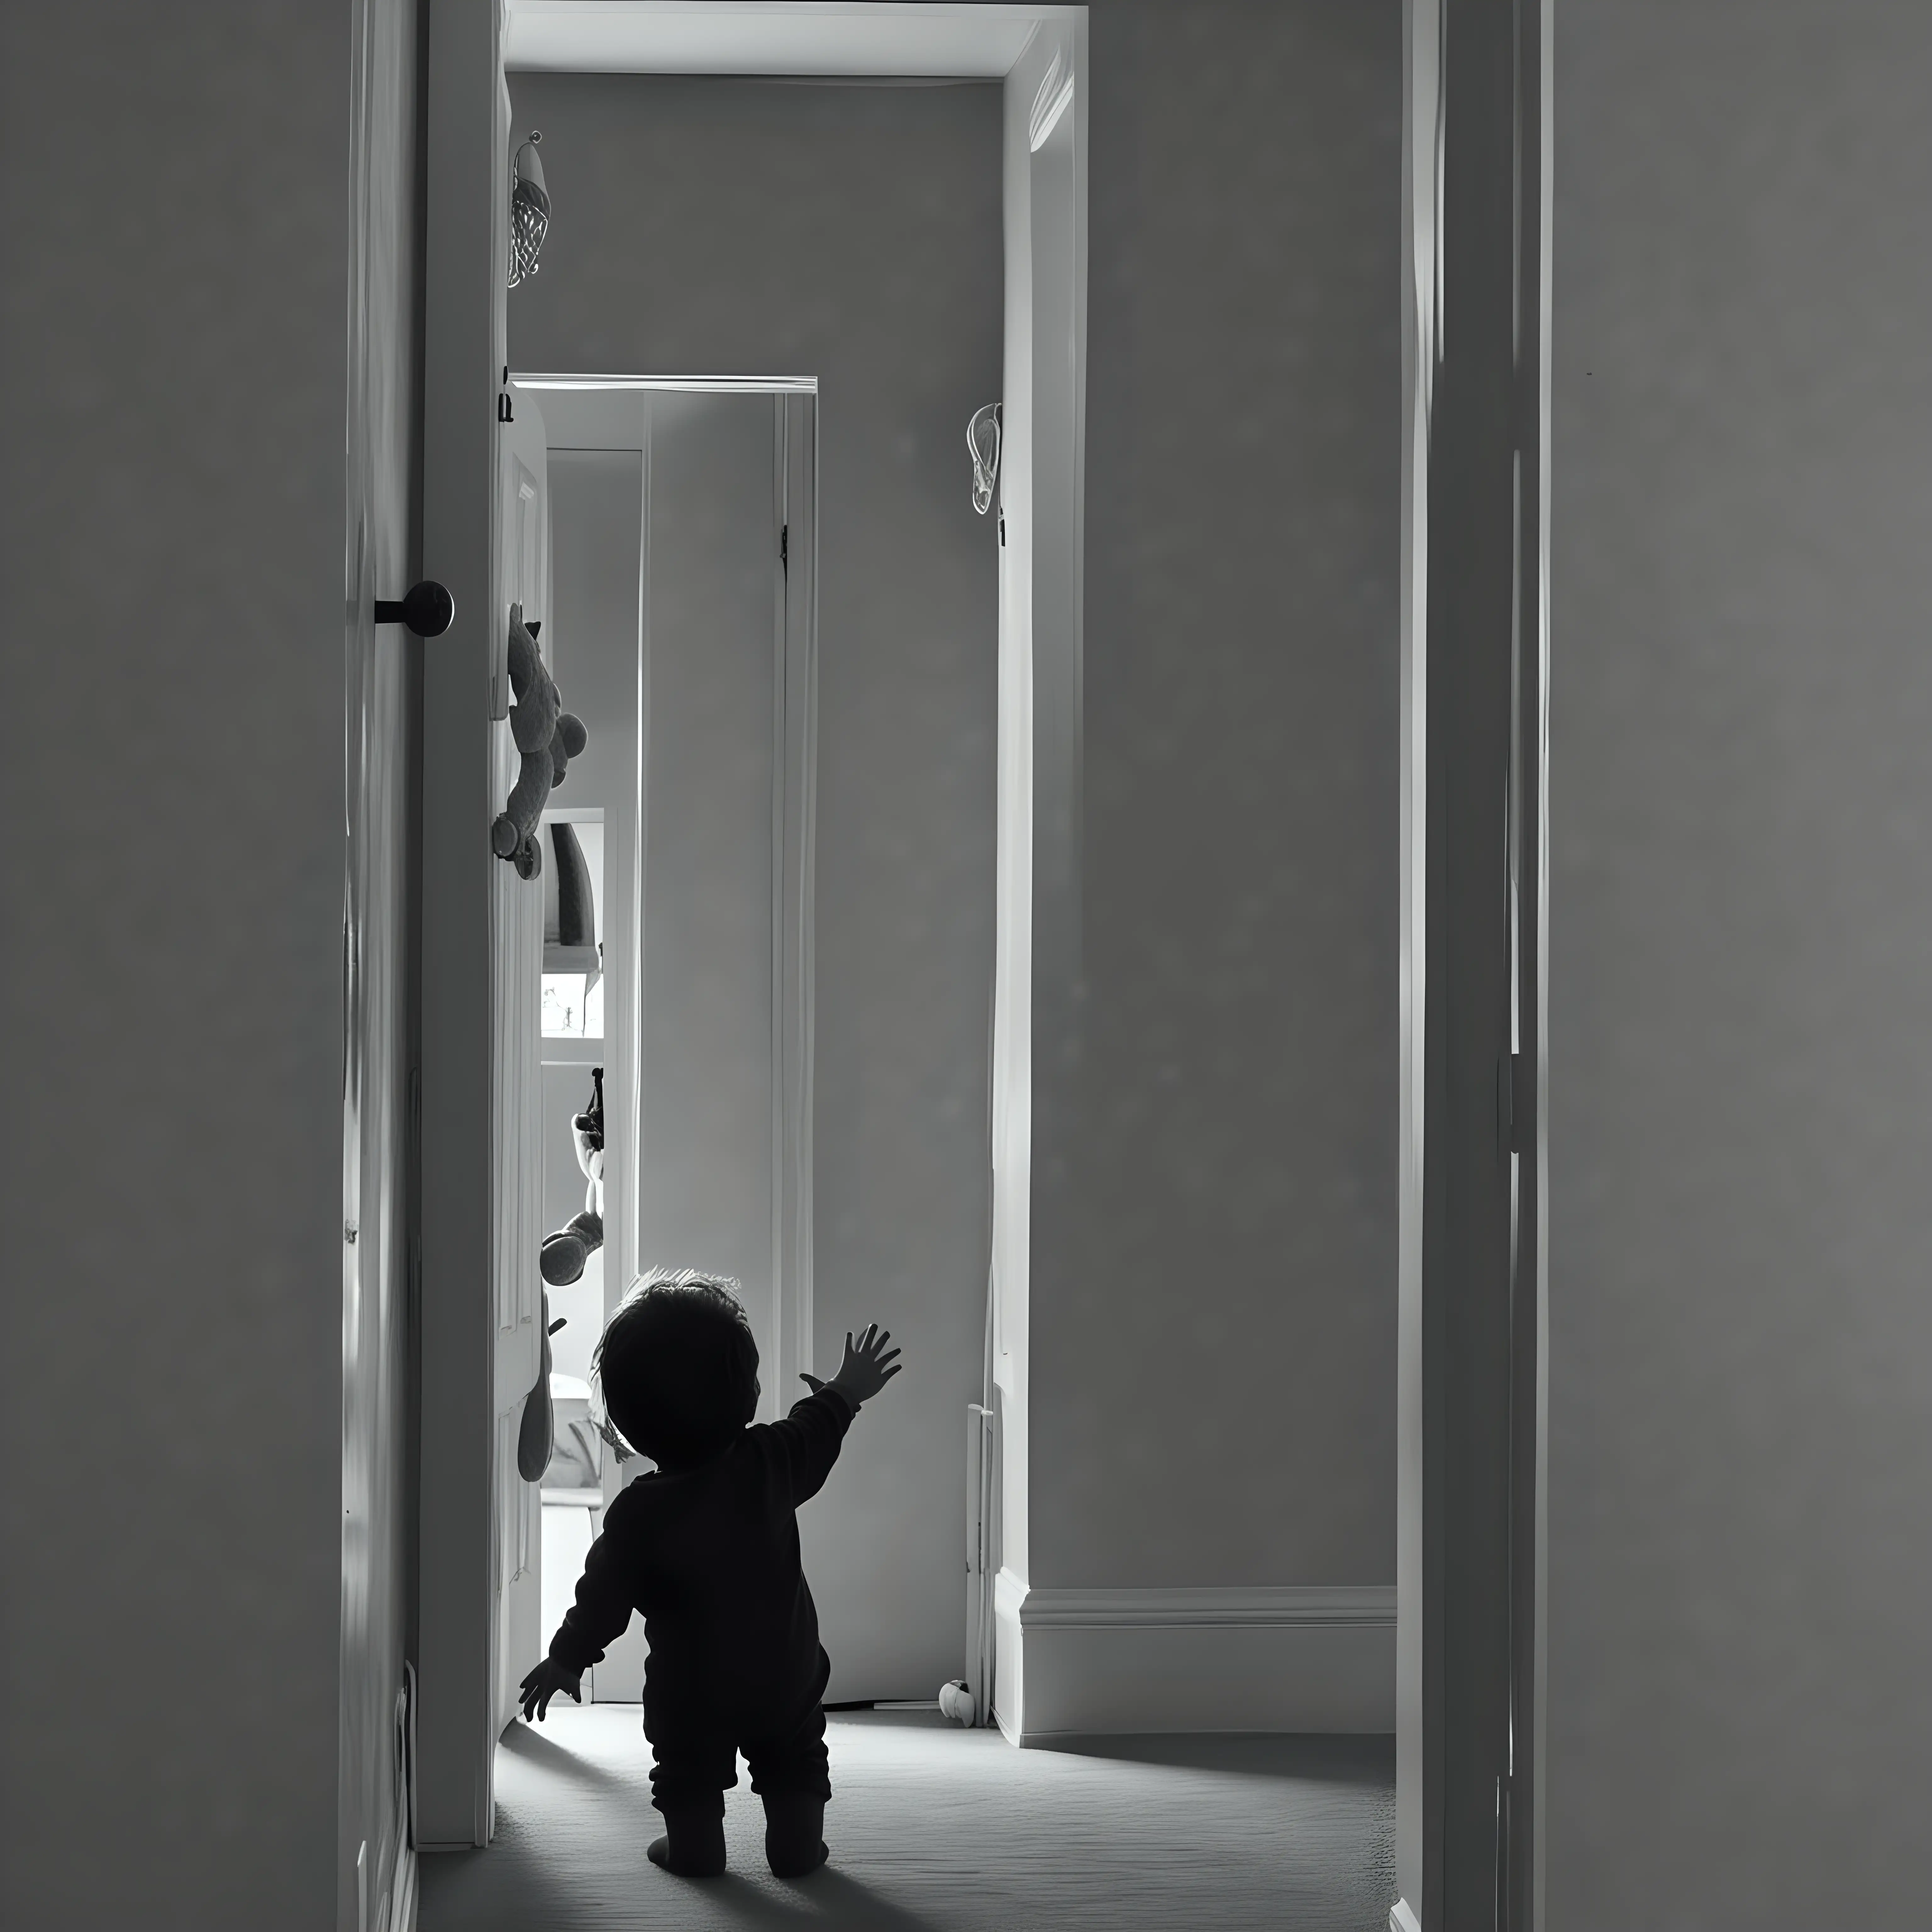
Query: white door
x=722, y=1097
x=516, y=943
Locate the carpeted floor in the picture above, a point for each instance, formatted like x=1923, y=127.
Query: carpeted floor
x=934, y=1829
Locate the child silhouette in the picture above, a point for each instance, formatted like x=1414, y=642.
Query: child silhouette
x=706, y=1548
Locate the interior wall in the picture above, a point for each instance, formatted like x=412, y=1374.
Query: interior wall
x=1212, y=1295
x=852, y=233
x=1740, y=1719
x=704, y=1143
x=171, y=1388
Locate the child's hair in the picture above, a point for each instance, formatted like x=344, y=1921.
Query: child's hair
x=677, y=1367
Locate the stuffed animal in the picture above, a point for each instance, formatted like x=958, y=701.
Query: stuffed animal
x=560, y=1261
x=565, y=1252
x=548, y=737
x=536, y=1434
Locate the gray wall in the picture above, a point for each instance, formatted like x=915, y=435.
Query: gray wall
x=704, y=1141
x=1741, y=1014
x=711, y=227
x=171, y=543
x=1213, y=1297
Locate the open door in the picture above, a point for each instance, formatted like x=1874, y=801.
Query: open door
x=516, y=968
x=477, y=1344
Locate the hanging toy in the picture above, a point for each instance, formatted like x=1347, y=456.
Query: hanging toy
x=565, y=1252
x=561, y=1261
x=546, y=737
x=536, y=1434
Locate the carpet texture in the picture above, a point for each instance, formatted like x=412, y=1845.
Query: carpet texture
x=935, y=1829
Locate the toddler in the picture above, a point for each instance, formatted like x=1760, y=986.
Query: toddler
x=706, y=1548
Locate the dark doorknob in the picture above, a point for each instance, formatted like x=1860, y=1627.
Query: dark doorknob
x=428, y=610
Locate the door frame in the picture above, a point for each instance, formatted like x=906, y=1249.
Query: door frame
x=1472, y=1396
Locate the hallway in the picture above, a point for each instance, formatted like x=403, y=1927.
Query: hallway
x=934, y=1829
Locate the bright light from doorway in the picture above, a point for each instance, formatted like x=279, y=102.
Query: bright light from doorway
x=573, y=1005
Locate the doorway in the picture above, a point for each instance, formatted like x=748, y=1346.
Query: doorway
x=685, y=521
x=1040, y=884
x=891, y=1212
x=849, y=237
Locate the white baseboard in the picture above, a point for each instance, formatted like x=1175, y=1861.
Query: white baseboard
x=1101, y=1662
x=1402, y=1919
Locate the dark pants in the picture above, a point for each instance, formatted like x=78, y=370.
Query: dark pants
x=696, y=1754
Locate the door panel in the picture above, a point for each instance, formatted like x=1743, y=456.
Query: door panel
x=516, y=947
x=465, y=244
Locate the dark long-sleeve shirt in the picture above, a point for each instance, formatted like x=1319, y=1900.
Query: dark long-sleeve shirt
x=710, y=1556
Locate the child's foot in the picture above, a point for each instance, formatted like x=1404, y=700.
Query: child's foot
x=802, y=1870
x=793, y=1846
x=691, y=1848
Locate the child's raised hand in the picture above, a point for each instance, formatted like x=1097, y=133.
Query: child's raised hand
x=867, y=1366
x=546, y=1682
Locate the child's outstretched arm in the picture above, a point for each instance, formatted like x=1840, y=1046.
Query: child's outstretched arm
x=867, y=1366
x=807, y=1441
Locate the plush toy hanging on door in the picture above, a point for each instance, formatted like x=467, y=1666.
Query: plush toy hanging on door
x=566, y=1251
x=547, y=737
x=561, y=1262
x=536, y=1436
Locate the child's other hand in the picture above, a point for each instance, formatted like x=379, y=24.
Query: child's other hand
x=543, y=1684
x=867, y=1366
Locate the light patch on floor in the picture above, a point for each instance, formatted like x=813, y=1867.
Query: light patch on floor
x=935, y=1829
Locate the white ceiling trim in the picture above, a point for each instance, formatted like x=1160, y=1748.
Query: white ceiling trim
x=822, y=38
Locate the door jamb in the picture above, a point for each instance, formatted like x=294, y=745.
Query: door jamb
x=1472, y=1395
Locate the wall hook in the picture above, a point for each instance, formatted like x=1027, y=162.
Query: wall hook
x=982, y=440
x=428, y=610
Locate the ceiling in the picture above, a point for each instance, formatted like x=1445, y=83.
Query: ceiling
x=768, y=36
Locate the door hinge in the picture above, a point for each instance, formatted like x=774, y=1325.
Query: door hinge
x=784, y=548
x=415, y=1158
x=1516, y=1102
